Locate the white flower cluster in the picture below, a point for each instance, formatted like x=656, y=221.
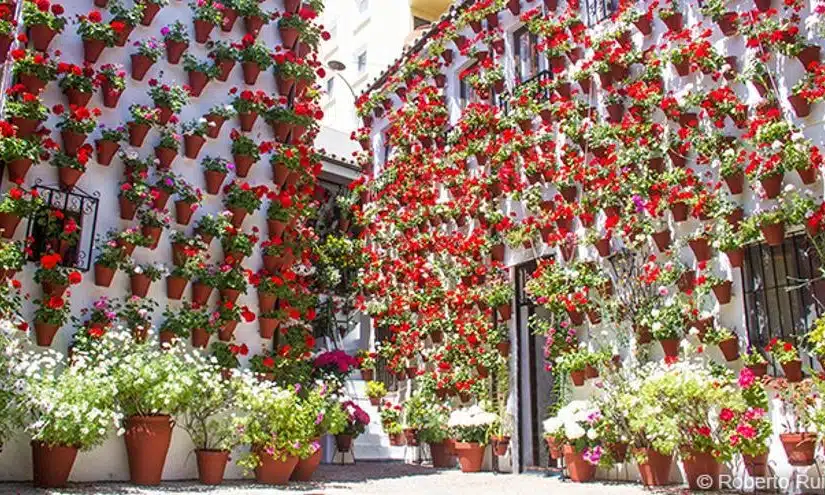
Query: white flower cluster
x=472, y=416
x=571, y=421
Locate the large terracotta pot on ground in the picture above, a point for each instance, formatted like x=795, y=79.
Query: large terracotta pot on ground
x=701, y=468
x=578, y=469
x=272, y=471
x=211, y=465
x=655, y=471
x=441, y=457
x=147, y=443
x=51, y=464
x=306, y=467
x=799, y=447
x=470, y=456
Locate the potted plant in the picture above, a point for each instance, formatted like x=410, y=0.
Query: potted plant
x=109, y=259
x=133, y=195
x=151, y=9
x=66, y=410
x=17, y=204
x=357, y=421
x=188, y=199
x=127, y=17
x=75, y=124
x=330, y=419
x=376, y=391
x=242, y=199
x=749, y=430
x=43, y=23
x=25, y=111
x=726, y=340
x=245, y=152
x=255, y=57
x=200, y=72
x=787, y=356
x=206, y=14
x=194, y=137
x=253, y=15
x=225, y=56
x=71, y=168
x=149, y=51
x=97, y=35
x=249, y=105
x=210, y=226
x=167, y=148
x=32, y=69
x=152, y=224
x=215, y=118
x=141, y=276
x=470, y=428
x=143, y=118
x=215, y=170
x=176, y=39
x=190, y=319
x=797, y=412
x=108, y=144
x=53, y=277
x=136, y=314
x=366, y=363
x=51, y=314
x=170, y=99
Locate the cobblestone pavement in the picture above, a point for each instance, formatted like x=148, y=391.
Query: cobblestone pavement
x=370, y=478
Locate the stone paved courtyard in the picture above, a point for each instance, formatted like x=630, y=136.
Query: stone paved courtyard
x=372, y=478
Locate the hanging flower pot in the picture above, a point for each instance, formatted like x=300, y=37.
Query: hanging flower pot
x=192, y=144
x=53, y=290
x=723, y=292
x=51, y=464
x=247, y=120
x=504, y=311
x=701, y=249
x=809, y=55
x=214, y=180
x=756, y=466
x=200, y=338
x=197, y=82
x=211, y=464
x=44, y=333
x=224, y=69
x=253, y=25
x=175, y=287
x=274, y=470
x=183, y=212
x=202, y=30
x=106, y=151
x=470, y=456
x=153, y=233
x=682, y=68
x=92, y=50
x=727, y=23
x=147, y=443
x=72, y=141
x=799, y=447
x=230, y=295
x=774, y=234
x=127, y=208
x=25, y=127
x=103, y=275
x=123, y=36
x=174, y=51
x=655, y=471
x=238, y=216
x=772, y=185
x=670, y=347
x=31, y=82
x=306, y=467
x=8, y=224
x=165, y=157
x=735, y=182
x=735, y=257
x=251, y=71
x=41, y=36
x=578, y=469
x=701, y=471
x=809, y=175
x=140, y=66
x=200, y=293
x=673, y=22
x=643, y=24
x=679, y=210
x=137, y=133
x=578, y=377
x=111, y=96
x=77, y=97
x=68, y=177
x=801, y=106
x=215, y=122
x=5, y=44
x=603, y=247
x=793, y=370
x=227, y=332
x=242, y=164
x=730, y=348
x=662, y=239
x=267, y=327
x=139, y=284
x=275, y=228
x=230, y=15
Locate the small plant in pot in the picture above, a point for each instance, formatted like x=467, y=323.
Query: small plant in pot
x=225, y=56
x=75, y=124
x=148, y=53
x=19, y=154
x=726, y=339
x=33, y=70
x=170, y=99
x=200, y=72
x=194, y=136
x=128, y=17
x=225, y=319
x=110, y=258
x=270, y=421
x=210, y=226
x=237, y=245
x=241, y=199
x=97, y=35
x=226, y=356
x=255, y=57
x=576, y=427
x=253, y=15
x=470, y=428
x=108, y=144
x=67, y=409
x=429, y=419
x=135, y=313
x=25, y=111
x=44, y=21
x=167, y=148
x=215, y=118
x=53, y=277
x=330, y=419
x=798, y=411
x=143, y=118
x=134, y=194
x=72, y=167
x=17, y=204
x=152, y=385
x=152, y=224
x=376, y=391
x=176, y=39
x=787, y=356
x=356, y=424
x=187, y=200
x=366, y=363
x=142, y=275
x=206, y=14
x=215, y=170
x=190, y=319
x=246, y=152
x=51, y=314
x=249, y=105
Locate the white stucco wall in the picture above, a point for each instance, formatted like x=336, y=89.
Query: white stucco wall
x=786, y=71
x=109, y=461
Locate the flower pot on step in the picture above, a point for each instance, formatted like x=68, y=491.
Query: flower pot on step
x=793, y=370
x=343, y=443
x=51, y=464
x=274, y=470
x=211, y=464
x=774, y=234
x=470, y=456
x=147, y=443
x=578, y=469
x=306, y=467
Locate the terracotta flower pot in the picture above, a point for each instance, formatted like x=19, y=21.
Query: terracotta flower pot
x=238, y=216
x=774, y=234
x=343, y=443
x=670, y=347
x=211, y=464
x=123, y=36
x=735, y=257
x=153, y=233
x=251, y=71
x=192, y=145
x=701, y=249
x=411, y=436
x=656, y=470
x=230, y=15
x=800, y=105
x=92, y=50
x=275, y=228
x=772, y=185
x=808, y=56
x=500, y=445
x=679, y=211
x=8, y=224
x=197, y=82
x=727, y=23
x=25, y=127
x=140, y=66
x=578, y=377
x=149, y=12
x=503, y=348
x=224, y=69
x=215, y=124
x=289, y=36
x=247, y=120
x=32, y=83
x=793, y=370
x=470, y=456
x=243, y=163
x=137, y=133
x=165, y=157
x=147, y=443
x=174, y=51
x=201, y=293
x=554, y=447
x=272, y=471
x=175, y=287
x=17, y=169
x=68, y=177
x=578, y=469
x=200, y=338
x=253, y=25
x=723, y=292
x=799, y=447
x=76, y=97
x=127, y=208
x=701, y=471
x=72, y=141
x=662, y=239
x=306, y=467
x=756, y=466
x=267, y=327
x=165, y=114
x=441, y=457
x=809, y=175
x=41, y=36
x=214, y=180
x=227, y=332
x=266, y=302
x=139, y=284
x=103, y=275
x=111, y=96
x=202, y=30
x=183, y=212
x=505, y=311
x=106, y=151
x=51, y=464
x=673, y=22
x=730, y=348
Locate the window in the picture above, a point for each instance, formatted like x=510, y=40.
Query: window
x=777, y=301
x=361, y=61
x=597, y=11
x=363, y=6
x=330, y=86
x=419, y=22
x=527, y=57
x=467, y=94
